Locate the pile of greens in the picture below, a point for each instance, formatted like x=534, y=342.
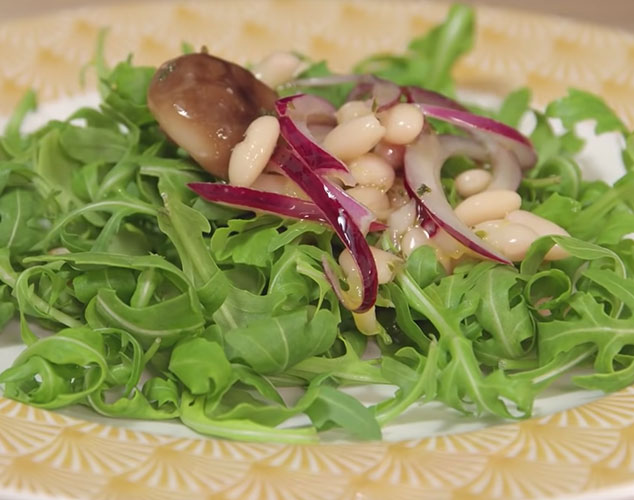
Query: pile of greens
x=164, y=306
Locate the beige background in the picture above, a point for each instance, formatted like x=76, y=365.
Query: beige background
x=616, y=13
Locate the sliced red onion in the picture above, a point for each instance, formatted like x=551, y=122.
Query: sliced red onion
x=482, y=127
x=505, y=169
x=361, y=215
x=264, y=201
x=254, y=199
x=423, y=162
x=325, y=196
x=323, y=81
x=457, y=145
x=419, y=95
x=383, y=93
x=296, y=115
x=316, y=158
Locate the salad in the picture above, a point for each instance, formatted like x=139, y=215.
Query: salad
x=343, y=230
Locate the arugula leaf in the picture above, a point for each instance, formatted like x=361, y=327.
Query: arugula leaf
x=514, y=106
x=333, y=406
x=430, y=57
x=201, y=365
x=19, y=210
x=503, y=314
x=335, y=94
x=273, y=344
x=12, y=140
x=102, y=242
x=580, y=105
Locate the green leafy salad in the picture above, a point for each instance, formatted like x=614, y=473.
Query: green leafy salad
x=159, y=304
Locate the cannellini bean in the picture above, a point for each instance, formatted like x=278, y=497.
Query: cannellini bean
x=372, y=170
x=417, y=237
x=275, y=183
x=472, y=181
x=277, y=68
x=394, y=154
x=512, y=239
x=250, y=156
x=354, y=138
x=397, y=194
x=448, y=245
x=543, y=227
x=353, y=109
x=371, y=197
x=488, y=205
x=483, y=229
x=385, y=264
x=347, y=263
x=412, y=239
x=401, y=219
x=319, y=131
x=403, y=122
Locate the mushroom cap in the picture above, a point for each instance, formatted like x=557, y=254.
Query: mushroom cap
x=204, y=104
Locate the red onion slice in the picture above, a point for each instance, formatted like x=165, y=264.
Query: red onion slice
x=327, y=199
x=254, y=199
x=361, y=215
x=419, y=95
x=263, y=201
x=482, y=126
x=423, y=162
x=383, y=93
x=505, y=169
x=296, y=114
x=323, y=81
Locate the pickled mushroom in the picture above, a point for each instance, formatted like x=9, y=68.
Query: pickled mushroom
x=205, y=104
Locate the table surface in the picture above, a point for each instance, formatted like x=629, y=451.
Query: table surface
x=615, y=13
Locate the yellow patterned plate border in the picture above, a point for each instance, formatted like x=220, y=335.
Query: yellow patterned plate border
x=582, y=450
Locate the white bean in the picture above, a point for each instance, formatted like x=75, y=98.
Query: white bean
x=277, y=68
x=347, y=263
x=472, y=181
x=543, y=227
x=372, y=198
x=447, y=245
x=483, y=229
x=397, y=194
x=412, y=239
x=417, y=237
x=279, y=184
x=488, y=205
x=401, y=219
x=354, y=138
x=403, y=122
x=391, y=153
x=250, y=156
x=512, y=239
x=386, y=264
x=372, y=170
x=353, y=109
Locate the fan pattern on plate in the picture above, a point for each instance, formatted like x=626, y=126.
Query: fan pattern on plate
x=51, y=455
